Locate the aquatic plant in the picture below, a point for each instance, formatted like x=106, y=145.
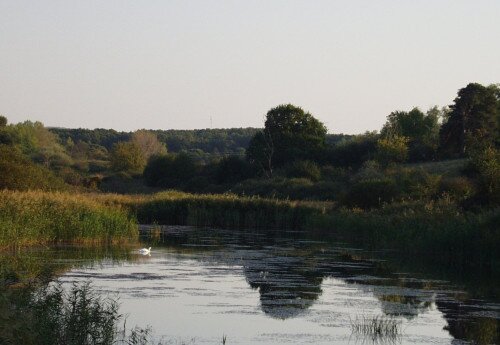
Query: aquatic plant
x=223, y=210
x=37, y=217
x=379, y=328
x=53, y=315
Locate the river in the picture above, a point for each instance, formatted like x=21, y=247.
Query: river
x=199, y=285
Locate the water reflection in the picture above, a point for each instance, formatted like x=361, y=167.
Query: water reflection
x=288, y=272
x=306, y=288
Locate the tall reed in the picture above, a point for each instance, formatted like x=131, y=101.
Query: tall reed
x=37, y=217
x=223, y=210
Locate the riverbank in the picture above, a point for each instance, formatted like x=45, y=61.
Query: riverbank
x=436, y=230
x=35, y=217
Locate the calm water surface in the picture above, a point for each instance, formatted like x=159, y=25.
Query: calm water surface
x=199, y=284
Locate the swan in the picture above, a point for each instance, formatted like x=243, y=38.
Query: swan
x=145, y=251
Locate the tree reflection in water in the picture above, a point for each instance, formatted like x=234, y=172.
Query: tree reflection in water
x=288, y=271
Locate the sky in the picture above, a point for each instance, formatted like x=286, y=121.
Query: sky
x=168, y=64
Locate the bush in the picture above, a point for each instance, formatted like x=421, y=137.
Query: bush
x=334, y=174
x=170, y=171
x=458, y=188
x=371, y=193
x=415, y=183
x=283, y=188
x=303, y=169
x=233, y=169
x=392, y=150
x=17, y=172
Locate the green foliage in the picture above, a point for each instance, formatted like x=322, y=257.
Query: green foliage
x=40, y=217
x=17, y=172
x=52, y=315
x=127, y=156
x=289, y=134
x=422, y=131
x=352, y=152
x=368, y=194
x=226, y=211
x=170, y=170
x=392, y=150
x=37, y=142
x=232, y=170
x=486, y=165
x=288, y=188
x=3, y=121
x=303, y=169
x=473, y=121
x=437, y=229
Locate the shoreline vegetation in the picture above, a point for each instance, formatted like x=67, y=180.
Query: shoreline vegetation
x=36, y=218
x=437, y=229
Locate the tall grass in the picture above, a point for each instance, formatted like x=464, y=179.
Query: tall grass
x=380, y=329
x=37, y=217
x=222, y=210
x=53, y=315
x=431, y=229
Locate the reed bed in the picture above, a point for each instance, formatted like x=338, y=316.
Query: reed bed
x=437, y=229
x=379, y=328
x=222, y=210
x=35, y=217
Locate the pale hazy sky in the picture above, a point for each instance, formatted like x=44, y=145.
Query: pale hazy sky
x=130, y=64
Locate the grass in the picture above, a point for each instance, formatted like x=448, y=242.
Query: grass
x=51, y=314
x=222, y=210
x=434, y=228
x=35, y=217
x=449, y=168
x=379, y=328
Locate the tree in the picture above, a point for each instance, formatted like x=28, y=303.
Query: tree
x=473, y=121
x=170, y=170
x=353, y=151
x=232, y=169
x=261, y=150
x=148, y=143
x=5, y=136
x=422, y=130
x=392, y=150
x=18, y=172
x=289, y=134
x=127, y=156
x=36, y=141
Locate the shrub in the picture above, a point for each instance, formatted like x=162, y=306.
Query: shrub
x=233, y=169
x=392, y=150
x=170, y=170
x=458, y=188
x=17, y=172
x=371, y=193
x=303, y=169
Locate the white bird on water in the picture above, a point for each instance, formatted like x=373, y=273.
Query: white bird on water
x=145, y=251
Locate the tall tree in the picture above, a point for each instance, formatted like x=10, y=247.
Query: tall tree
x=127, y=156
x=289, y=134
x=422, y=130
x=472, y=122
x=148, y=143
